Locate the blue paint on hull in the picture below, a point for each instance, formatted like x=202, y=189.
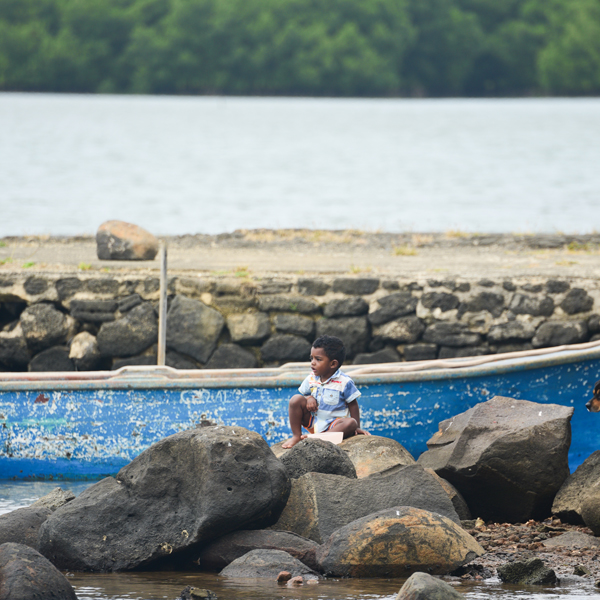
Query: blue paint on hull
x=87, y=430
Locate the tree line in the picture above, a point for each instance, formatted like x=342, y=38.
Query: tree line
x=302, y=47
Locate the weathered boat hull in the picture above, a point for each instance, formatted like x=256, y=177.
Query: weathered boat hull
x=89, y=427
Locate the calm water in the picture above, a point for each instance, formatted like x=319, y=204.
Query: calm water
x=168, y=585
x=214, y=164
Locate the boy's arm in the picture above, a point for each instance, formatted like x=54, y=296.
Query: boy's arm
x=355, y=414
x=311, y=404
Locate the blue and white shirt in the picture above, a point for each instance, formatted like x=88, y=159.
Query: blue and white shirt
x=332, y=396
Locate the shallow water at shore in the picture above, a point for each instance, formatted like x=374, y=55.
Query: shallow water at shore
x=168, y=585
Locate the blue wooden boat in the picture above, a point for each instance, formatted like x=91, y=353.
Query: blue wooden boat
x=88, y=425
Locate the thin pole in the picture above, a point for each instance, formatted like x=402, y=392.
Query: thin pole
x=162, y=309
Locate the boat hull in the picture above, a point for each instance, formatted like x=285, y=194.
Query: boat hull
x=90, y=429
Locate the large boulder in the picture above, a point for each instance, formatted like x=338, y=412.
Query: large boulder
x=396, y=542
x=374, y=454
x=22, y=526
x=318, y=456
x=118, y=240
x=319, y=504
x=26, y=575
x=182, y=492
x=45, y=326
x=131, y=334
x=218, y=554
x=267, y=564
x=193, y=328
x=508, y=458
x=557, y=333
x=573, y=492
x=422, y=586
x=54, y=499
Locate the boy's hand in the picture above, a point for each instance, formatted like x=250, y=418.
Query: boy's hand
x=311, y=404
x=360, y=431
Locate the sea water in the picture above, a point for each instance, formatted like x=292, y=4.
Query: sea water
x=177, y=165
x=168, y=585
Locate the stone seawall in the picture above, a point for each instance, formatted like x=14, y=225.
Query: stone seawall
x=93, y=321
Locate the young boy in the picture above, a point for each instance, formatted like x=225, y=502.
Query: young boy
x=328, y=398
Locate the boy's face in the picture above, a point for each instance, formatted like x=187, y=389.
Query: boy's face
x=322, y=366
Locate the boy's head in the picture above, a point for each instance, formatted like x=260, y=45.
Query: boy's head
x=333, y=348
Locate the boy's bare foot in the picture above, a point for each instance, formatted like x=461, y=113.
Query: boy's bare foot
x=295, y=439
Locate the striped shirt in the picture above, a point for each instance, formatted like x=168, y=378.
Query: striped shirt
x=332, y=396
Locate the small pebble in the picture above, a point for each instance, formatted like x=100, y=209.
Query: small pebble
x=284, y=576
x=296, y=580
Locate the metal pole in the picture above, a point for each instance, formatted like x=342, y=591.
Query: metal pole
x=162, y=309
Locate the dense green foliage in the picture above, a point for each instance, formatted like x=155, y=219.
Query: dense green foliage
x=302, y=47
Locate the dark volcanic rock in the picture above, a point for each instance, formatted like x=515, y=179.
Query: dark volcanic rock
x=522, y=304
x=490, y=451
x=451, y=334
x=446, y=352
x=405, y=330
x=577, y=301
x=249, y=328
x=489, y=301
x=512, y=331
x=35, y=285
x=267, y=564
x=84, y=352
x=295, y=325
x=420, y=352
x=232, y=356
x=21, y=526
x=319, y=504
x=68, y=286
x=218, y=554
x=193, y=328
x=529, y=572
x=572, y=539
x=44, y=326
x=26, y=575
x=312, y=286
x=181, y=492
x=393, y=306
x=13, y=348
x=346, y=307
x=569, y=499
x=359, y=286
x=557, y=333
x=118, y=240
x=354, y=331
x=590, y=509
x=422, y=586
x=555, y=286
x=94, y=311
x=52, y=359
x=374, y=454
x=126, y=304
x=131, y=334
x=441, y=300
x=317, y=456
x=288, y=303
x=395, y=543
x=285, y=348
x=387, y=355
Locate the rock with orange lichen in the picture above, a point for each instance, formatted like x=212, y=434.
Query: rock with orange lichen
x=118, y=240
x=396, y=543
x=374, y=454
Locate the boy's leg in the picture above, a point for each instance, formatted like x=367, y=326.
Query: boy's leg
x=299, y=416
x=346, y=425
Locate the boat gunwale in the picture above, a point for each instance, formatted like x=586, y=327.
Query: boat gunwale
x=151, y=378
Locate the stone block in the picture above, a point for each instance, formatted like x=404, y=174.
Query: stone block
x=393, y=306
x=387, y=355
x=451, y=334
x=522, y=304
x=52, y=359
x=312, y=286
x=232, y=356
x=45, y=326
x=557, y=333
x=353, y=331
x=284, y=348
x=288, y=303
x=512, y=331
x=126, y=304
x=421, y=351
x=117, y=240
x=35, y=286
x=577, y=301
x=405, y=330
x=193, y=328
x=249, y=328
x=84, y=352
x=556, y=286
x=441, y=300
x=93, y=311
x=355, y=286
x=346, y=307
x=274, y=286
x=14, y=353
x=464, y=352
x=485, y=301
x=295, y=324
